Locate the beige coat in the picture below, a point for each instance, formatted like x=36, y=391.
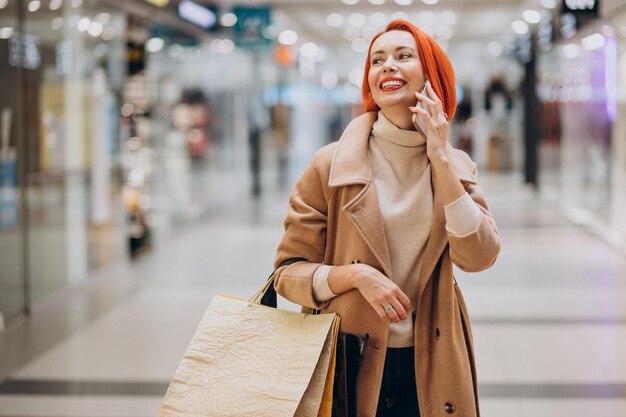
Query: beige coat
x=334, y=218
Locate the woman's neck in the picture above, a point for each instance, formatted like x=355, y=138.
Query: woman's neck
x=401, y=118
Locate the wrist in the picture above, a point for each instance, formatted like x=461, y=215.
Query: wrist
x=439, y=160
x=356, y=276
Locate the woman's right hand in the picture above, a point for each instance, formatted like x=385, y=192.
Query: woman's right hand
x=378, y=290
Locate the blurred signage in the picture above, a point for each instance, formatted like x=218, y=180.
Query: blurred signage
x=203, y=16
x=24, y=51
x=250, y=26
x=581, y=6
x=575, y=14
x=135, y=57
x=159, y=3
x=284, y=56
x=64, y=57
x=172, y=36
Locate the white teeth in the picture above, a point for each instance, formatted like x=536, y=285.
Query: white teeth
x=391, y=84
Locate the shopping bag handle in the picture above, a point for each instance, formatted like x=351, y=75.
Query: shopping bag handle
x=266, y=295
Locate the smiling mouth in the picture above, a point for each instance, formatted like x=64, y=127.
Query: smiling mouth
x=391, y=85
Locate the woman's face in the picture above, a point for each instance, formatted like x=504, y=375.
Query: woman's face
x=395, y=71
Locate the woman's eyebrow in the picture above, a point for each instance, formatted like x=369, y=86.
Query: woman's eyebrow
x=380, y=51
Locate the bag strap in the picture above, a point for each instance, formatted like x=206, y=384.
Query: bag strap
x=266, y=295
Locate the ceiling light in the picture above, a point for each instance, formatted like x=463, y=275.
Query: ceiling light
x=548, y=4
x=356, y=20
x=571, y=50
x=378, y=19
x=55, y=4
x=519, y=26
x=34, y=5
x=591, y=42
x=77, y=3
x=448, y=17
x=350, y=2
x=228, y=19
x=159, y=3
x=154, y=45
x=288, y=37
x=334, y=20
x=350, y=34
x=226, y=46
x=359, y=45
x=356, y=76
x=369, y=32
x=400, y=15
x=329, y=79
x=377, y=2
x=83, y=24
x=108, y=34
x=6, y=33
x=430, y=1
x=197, y=14
x=309, y=50
x=427, y=17
x=3, y=3
x=403, y=2
x=532, y=16
x=103, y=18
x=95, y=29
x=270, y=31
x=56, y=23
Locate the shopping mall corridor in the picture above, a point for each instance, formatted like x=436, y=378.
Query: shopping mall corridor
x=549, y=317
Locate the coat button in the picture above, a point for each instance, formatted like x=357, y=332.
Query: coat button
x=449, y=407
x=437, y=333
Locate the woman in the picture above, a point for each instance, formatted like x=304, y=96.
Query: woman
x=380, y=217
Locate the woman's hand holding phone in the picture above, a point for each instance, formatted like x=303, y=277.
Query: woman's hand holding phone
x=429, y=117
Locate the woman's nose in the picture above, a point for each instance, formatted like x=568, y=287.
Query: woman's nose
x=389, y=65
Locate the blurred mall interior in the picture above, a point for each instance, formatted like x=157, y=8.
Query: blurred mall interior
x=148, y=147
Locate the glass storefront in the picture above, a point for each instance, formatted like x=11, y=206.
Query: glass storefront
x=12, y=290
x=62, y=69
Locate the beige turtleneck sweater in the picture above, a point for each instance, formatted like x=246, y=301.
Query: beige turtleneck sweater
x=403, y=182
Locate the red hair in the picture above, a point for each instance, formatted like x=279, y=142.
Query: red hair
x=435, y=64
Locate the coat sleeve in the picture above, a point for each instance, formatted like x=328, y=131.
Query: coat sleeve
x=304, y=236
x=477, y=250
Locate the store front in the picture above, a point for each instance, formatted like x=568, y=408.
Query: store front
x=61, y=65
x=583, y=117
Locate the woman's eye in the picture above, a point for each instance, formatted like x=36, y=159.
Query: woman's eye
x=405, y=55
x=376, y=60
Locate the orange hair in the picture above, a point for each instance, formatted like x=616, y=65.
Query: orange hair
x=435, y=64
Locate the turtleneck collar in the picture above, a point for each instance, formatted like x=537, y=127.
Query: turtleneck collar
x=386, y=130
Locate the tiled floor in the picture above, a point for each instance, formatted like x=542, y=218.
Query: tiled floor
x=549, y=318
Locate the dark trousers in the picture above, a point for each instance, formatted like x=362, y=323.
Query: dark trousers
x=398, y=393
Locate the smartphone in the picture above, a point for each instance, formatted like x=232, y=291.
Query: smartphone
x=422, y=106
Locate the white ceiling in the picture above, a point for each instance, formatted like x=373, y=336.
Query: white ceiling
x=476, y=19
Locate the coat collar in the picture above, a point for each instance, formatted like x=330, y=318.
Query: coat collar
x=351, y=161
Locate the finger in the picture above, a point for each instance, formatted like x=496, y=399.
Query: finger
x=392, y=314
x=425, y=99
x=381, y=313
x=423, y=113
x=431, y=93
x=404, y=300
x=399, y=308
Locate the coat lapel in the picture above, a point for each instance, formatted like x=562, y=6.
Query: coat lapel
x=351, y=166
x=438, y=235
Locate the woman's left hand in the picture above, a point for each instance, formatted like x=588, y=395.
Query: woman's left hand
x=435, y=121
